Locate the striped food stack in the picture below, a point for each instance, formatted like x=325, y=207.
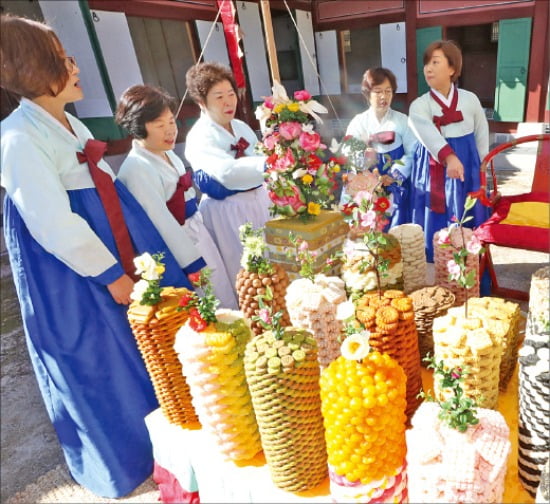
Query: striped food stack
x=534, y=385
x=212, y=362
x=411, y=239
x=449, y=466
x=363, y=405
x=464, y=343
x=390, y=321
x=155, y=328
x=283, y=378
x=443, y=255
x=312, y=306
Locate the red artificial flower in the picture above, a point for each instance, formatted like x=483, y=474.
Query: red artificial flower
x=186, y=299
x=347, y=208
x=195, y=278
x=347, y=137
x=270, y=161
x=382, y=204
x=196, y=322
x=314, y=162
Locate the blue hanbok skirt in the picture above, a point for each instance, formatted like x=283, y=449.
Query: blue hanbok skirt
x=89, y=370
x=455, y=191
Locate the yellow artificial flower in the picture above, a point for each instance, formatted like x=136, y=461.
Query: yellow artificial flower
x=313, y=208
x=293, y=107
x=278, y=108
x=307, y=179
x=336, y=168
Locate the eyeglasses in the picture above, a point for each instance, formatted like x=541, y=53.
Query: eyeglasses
x=380, y=92
x=70, y=62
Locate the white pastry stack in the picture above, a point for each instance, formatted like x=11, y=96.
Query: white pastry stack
x=312, y=306
x=446, y=465
x=413, y=252
x=534, y=385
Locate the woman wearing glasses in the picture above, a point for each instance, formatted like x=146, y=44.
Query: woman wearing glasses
x=386, y=131
x=72, y=232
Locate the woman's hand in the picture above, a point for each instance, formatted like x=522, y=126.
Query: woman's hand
x=455, y=168
x=121, y=289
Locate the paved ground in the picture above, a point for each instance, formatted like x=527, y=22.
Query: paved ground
x=29, y=446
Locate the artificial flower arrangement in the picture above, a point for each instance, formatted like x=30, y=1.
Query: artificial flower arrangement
x=298, y=179
x=463, y=267
x=257, y=275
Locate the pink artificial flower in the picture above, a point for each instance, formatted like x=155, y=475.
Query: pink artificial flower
x=368, y=219
x=270, y=141
x=381, y=224
x=290, y=130
x=264, y=315
x=303, y=246
x=302, y=95
x=454, y=269
x=289, y=205
x=474, y=245
x=444, y=237
x=268, y=102
x=362, y=196
x=285, y=162
x=310, y=142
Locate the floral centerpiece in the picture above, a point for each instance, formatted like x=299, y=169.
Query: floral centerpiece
x=211, y=348
x=155, y=319
x=257, y=275
x=456, y=451
x=283, y=376
x=363, y=405
x=299, y=181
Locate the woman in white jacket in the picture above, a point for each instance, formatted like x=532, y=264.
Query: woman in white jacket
x=226, y=168
x=157, y=178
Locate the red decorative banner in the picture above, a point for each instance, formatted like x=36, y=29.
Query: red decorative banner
x=232, y=38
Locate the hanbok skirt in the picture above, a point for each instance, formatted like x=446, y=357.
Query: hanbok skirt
x=89, y=370
x=455, y=191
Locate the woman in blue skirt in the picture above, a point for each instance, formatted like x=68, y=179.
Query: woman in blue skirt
x=72, y=232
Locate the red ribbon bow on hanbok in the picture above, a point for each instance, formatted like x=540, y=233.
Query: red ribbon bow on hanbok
x=176, y=204
x=93, y=152
x=241, y=145
x=437, y=170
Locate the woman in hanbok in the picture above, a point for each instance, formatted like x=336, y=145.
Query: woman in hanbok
x=72, y=232
x=227, y=170
x=387, y=132
x=453, y=132
x=157, y=178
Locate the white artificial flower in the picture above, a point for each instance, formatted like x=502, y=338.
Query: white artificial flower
x=334, y=146
x=139, y=289
x=279, y=93
x=263, y=113
x=300, y=172
x=308, y=128
x=345, y=310
x=313, y=107
x=147, y=267
x=356, y=346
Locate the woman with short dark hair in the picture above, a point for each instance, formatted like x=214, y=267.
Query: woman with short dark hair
x=387, y=132
x=71, y=233
x=226, y=167
x=453, y=135
x=157, y=178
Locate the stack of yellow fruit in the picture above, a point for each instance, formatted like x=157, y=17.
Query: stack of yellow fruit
x=283, y=377
x=154, y=328
x=363, y=406
x=464, y=343
x=391, y=323
x=213, y=364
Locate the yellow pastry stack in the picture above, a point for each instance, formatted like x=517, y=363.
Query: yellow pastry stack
x=363, y=405
x=464, y=343
x=283, y=378
x=154, y=328
x=390, y=321
x=213, y=365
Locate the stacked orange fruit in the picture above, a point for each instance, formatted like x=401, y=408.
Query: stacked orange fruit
x=363, y=405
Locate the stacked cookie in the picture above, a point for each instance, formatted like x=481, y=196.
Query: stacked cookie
x=442, y=256
x=154, y=328
x=534, y=385
x=448, y=466
x=212, y=362
x=312, y=306
x=411, y=239
x=390, y=321
x=464, y=343
x=429, y=303
x=283, y=378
